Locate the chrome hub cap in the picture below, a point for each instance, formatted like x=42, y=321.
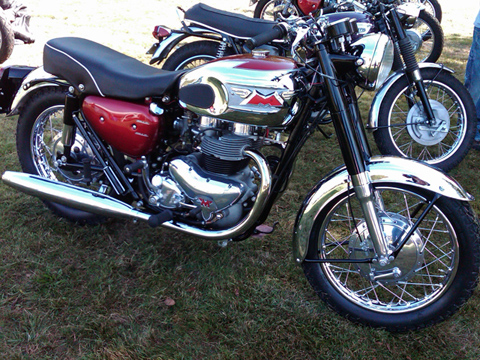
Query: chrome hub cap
x=428, y=134
x=404, y=266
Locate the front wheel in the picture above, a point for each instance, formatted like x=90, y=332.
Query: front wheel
x=427, y=38
x=430, y=278
x=403, y=129
x=432, y=7
x=194, y=54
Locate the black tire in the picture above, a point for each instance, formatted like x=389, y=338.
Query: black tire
x=401, y=131
x=432, y=7
x=441, y=275
x=427, y=38
x=193, y=54
x=7, y=40
x=49, y=102
x=264, y=10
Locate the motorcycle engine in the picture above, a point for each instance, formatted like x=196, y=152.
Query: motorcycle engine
x=215, y=182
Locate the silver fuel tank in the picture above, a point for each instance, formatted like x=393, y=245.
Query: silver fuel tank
x=254, y=89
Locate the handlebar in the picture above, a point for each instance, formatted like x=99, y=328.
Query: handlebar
x=277, y=32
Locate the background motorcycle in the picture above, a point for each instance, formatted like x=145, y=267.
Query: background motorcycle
x=425, y=32
x=388, y=242
x=403, y=128
x=265, y=8
x=222, y=37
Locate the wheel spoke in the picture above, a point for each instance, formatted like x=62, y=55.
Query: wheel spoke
x=420, y=282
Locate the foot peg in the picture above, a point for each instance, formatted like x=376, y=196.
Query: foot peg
x=160, y=218
x=263, y=230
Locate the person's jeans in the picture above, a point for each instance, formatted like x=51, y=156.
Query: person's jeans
x=472, y=74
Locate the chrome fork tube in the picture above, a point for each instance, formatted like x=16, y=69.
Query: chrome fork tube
x=362, y=185
x=354, y=154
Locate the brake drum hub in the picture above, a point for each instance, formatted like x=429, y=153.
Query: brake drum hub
x=428, y=134
x=407, y=261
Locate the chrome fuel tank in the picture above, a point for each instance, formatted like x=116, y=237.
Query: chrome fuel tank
x=248, y=89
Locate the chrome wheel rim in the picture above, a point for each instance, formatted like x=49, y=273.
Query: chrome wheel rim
x=425, y=279
x=422, y=39
x=46, y=144
x=269, y=14
x=194, y=61
x=448, y=131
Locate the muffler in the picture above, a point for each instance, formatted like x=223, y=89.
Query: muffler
x=72, y=196
x=101, y=204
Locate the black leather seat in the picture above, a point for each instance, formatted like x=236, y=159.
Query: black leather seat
x=103, y=71
x=226, y=22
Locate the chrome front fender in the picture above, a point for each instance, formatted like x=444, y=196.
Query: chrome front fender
x=392, y=79
x=383, y=169
x=36, y=79
x=166, y=45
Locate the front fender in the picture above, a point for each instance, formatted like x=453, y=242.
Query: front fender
x=392, y=79
x=36, y=79
x=382, y=169
x=166, y=45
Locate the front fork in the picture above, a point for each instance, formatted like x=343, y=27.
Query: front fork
x=411, y=66
x=355, y=151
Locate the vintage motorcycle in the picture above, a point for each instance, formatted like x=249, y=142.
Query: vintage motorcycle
x=224, y=33
x=266, y=9
x=425, y=32
x=425, y=113
x=385, y=241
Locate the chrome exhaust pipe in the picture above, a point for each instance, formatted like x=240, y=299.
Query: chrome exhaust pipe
x=101, y=204
x=73, y=196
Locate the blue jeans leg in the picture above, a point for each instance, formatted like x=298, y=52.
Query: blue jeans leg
x=472, y=74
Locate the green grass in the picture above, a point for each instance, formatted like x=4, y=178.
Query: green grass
x=104, y=292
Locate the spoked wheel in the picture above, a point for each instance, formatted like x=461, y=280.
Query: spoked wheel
x=431, y=277
x=403, y=129
x=426, y=37
x=194, y=54
x=39, y=144
x=432, y=7
x=265, y=10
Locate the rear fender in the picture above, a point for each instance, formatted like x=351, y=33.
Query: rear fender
x=166, y=45
x=383, y=170
x=11, y=78
x=35, y=80
x=372, y=124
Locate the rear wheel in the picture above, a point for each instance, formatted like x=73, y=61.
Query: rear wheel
x=265, y=10
x=194, y=54
x=431, y=277
x=39, y=142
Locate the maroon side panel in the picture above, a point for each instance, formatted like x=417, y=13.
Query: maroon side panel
x=129, y=127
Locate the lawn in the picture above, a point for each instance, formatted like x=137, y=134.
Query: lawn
x=124, y=291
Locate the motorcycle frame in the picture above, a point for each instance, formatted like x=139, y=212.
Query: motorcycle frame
x=359, y=173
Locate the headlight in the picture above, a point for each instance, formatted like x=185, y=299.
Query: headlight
x=377, y=58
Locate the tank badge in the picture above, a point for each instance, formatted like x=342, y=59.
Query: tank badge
x=257, y=98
